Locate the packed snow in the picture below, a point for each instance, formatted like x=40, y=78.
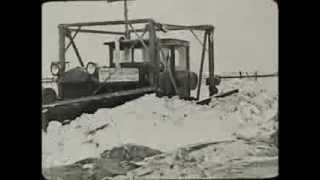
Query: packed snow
x=166, y=124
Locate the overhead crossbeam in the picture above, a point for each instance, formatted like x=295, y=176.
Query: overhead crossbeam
x=170, y=27
x=103, y=23
x=183, y=27
x=96, y=31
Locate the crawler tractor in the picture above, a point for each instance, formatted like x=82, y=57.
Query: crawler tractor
x=136, y=66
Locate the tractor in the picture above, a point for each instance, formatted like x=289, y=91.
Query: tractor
x=136, y=66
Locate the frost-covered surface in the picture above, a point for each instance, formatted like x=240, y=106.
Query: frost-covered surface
x=166, y=124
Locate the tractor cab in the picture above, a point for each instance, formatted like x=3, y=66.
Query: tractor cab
x=174, y=64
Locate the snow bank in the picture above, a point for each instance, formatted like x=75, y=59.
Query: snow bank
x=163, y=124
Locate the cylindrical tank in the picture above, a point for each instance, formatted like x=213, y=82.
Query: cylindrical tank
x=182, y=78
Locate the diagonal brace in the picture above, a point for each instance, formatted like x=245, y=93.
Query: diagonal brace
x=75, y=48
x=73, y=37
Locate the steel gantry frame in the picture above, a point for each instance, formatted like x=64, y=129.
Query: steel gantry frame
x=151, y=27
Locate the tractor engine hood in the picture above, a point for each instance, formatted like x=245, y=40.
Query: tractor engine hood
x=75, y=75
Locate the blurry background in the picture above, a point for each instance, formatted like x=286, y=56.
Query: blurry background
x=246, y=34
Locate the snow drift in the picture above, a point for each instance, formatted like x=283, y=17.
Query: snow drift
x=165, y=124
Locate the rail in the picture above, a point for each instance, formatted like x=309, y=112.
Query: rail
x=256, y=75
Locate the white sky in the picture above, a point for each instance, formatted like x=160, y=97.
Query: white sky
x=246, y=34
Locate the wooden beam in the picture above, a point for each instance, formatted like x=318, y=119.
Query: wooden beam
x=228, y=93
x=188, y=70
x=62, y=41
x=184, y=27
x=179, y=28
x=103, y=23
x=127, y=34
x=204, y=101
x=211, y=63
x=62, y=56
x=153, y=51
x=96, y=31
x=111, y=1
x=139, y=30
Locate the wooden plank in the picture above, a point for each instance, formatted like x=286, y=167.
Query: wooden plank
x=101, y=96
x=225, y=94
x=197, y=146
x=204, y=101
x=228, y=93
x=97, y=129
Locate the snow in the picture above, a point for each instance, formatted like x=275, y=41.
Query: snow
x=166, y=124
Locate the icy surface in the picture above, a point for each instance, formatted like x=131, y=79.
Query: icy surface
x=166, y=124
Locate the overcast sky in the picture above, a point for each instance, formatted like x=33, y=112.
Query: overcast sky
x=246, y=34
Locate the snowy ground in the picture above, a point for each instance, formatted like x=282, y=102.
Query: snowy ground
x=242, y=122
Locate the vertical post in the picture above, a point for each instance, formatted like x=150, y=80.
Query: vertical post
x=172, y=78
x=173, y=62
x=154, y=55
x=203, y=54
x=212, y=88
x=111, y=49
x=62, y=56
x=126, y=19
x=188, y=71
x=132, y=55
x=127, y=33
x=62, y=59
